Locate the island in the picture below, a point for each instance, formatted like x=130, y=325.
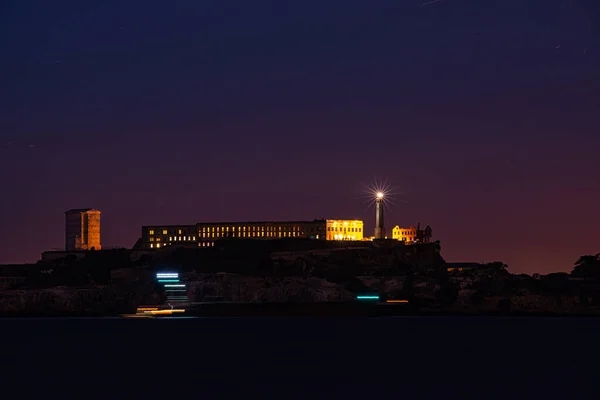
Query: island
x=295, y=277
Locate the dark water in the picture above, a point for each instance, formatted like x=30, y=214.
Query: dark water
x=397, y=358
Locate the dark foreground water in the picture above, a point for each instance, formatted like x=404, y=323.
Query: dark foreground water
x=397, y=358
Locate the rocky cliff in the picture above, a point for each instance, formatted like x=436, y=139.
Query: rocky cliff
x=235, y=287
x=97, y=300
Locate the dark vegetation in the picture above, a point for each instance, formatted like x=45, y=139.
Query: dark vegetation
x=416, y=266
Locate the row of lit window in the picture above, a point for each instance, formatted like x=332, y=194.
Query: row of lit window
x=180, y=238
x=342, y=237
x=407, y=231
x=224, y=234
x=250, y=228
x=201, y=244
x=164, y=232
x=250, y=234
x=343, y=229
x=290, y=229
x=401, y=237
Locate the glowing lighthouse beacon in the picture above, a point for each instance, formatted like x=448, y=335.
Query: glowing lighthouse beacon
x=379, y=224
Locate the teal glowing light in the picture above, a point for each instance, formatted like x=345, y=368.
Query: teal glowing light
x=369, y=297
x=168, y=280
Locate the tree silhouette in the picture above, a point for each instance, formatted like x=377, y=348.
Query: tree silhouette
x=587, y=266
x=496, y=266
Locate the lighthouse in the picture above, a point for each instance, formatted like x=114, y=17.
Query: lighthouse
x=379, y=224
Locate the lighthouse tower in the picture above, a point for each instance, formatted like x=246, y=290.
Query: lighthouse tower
x=379, y=224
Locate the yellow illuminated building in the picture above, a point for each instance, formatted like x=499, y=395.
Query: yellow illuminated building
x=404, y=234
x=343, y=229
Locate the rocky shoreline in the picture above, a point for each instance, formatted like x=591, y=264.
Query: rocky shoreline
x=260, y=295
x=115, y=282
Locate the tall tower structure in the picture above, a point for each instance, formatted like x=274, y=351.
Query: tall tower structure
x=82, y=229
x=379, y=224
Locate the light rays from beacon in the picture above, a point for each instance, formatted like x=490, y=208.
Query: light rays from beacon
x=375, y=190
x=391, y=196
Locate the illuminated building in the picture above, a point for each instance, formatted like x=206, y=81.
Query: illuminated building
x=341, y=229
x=412, y=234
x=379, y=223
x=404, y=234
x=82, y=229
x=205, y=234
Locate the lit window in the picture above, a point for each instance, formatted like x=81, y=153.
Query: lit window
x=152, y=239
x=179, y=232
x=164, y=232
x=180, y=236
x=151, y=245
x=194, y=238
x=158, y=245
x=170, y=238
x=151, y=231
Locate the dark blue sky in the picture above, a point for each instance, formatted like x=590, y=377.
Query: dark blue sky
x=483, y=114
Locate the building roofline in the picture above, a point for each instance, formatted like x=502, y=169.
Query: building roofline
x=261, y=222
x=81, y=210
x=233, y=223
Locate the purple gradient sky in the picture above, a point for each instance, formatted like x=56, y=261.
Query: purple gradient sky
x=184, y=111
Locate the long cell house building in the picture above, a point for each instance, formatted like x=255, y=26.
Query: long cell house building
x=206, y=233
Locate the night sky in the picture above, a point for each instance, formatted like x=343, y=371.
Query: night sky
x=482, y=114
